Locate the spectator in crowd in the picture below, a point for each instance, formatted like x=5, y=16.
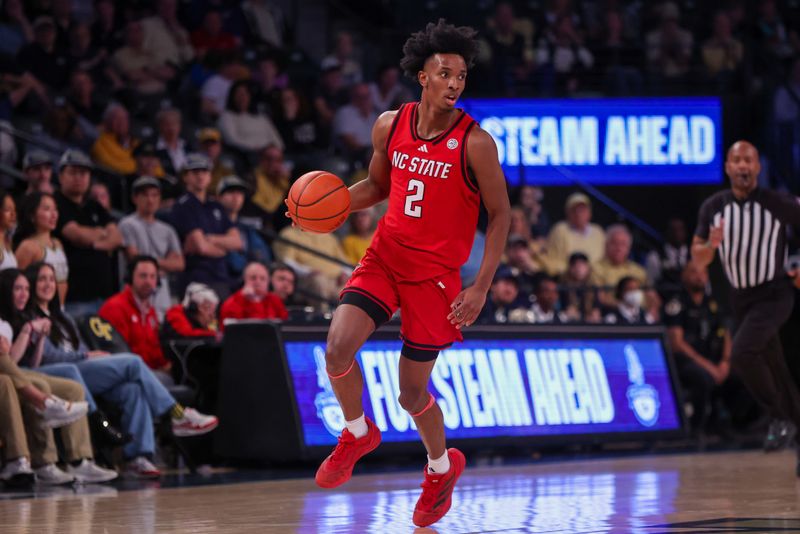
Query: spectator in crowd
x=578, y=297
x=352, y=126
x=242, y=127
x=212, y=36
x=100, y=193
x=35, y=241
x=265, y=22
x=629, y=308
x=562, y=58
x=89, y=236
x=144, y=235
x=106, y=33
x=525, y=265
x=123, y=379
x=722, y=53
x=148, y=163
x=8, y=223
x=172, y=148
x=231, y=194
x=85, y=101
x=42, y=58
x=504, y=303
x=297, y=123
x=665, y=265
x=29, y=448
x=83, y=56
x=196, y=316
x=164, y=36
x=778, y=41
x=210, y=141
x=331, y=93
x=362, y=228
x=283, y=282
x=62, y=18
x=530, y=200
x=545, y=308
x=62, y=129
x=669, y=48
x=253, y=301
x=216, y=89
x=520, y=226
x=787, y=98
x=38, y=168
x=616, y=263
x=320, y=276
x=205, y=231
x=619, y=58
x=15, y=29
x=700, y=343
x=386, y=91
x=510, y=50
x=114, y=148
x=576, y=234
x=344, y=53
x=272, y=185
x=132, y=313
x=142, y=69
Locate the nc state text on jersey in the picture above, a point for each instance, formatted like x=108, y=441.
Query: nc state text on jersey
x=421, y=166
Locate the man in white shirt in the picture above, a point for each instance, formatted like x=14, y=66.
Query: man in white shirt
x=164, y=36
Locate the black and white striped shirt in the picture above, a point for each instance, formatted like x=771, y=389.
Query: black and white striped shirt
x=753, y=249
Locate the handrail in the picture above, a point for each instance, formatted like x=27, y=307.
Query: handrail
x=12, y=172
x=272, y=235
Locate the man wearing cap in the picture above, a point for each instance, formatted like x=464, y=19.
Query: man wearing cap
x=206, y=232
x=42, y=58
x=231, y=194
x=504, y=299
x=89, y=236
x=38, y=168
x=520, y=259
x=143, y=234
x=211, y=145
x=331, y=92
x=576, y=234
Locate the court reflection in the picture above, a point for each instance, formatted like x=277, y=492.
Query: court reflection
x=523, y=502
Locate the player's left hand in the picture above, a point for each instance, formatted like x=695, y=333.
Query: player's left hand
x=466, y=307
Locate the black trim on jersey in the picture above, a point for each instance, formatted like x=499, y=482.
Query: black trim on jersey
x=465, y=171
x=418, y=355
x=436, y=139
x=412, y=121
x=375, y=311
x=394, y=126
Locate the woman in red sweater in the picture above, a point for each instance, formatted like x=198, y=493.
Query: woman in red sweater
x=196, y=316
x=253, y=301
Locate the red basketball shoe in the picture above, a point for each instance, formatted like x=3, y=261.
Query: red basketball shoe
x=338, y=467
x=437, y=491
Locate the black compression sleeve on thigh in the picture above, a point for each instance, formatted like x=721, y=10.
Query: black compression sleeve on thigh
x=419, y=355
x=375, y=311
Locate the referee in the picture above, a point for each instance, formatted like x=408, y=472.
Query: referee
x=747, y=225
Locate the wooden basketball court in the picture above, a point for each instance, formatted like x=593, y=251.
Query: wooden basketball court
x=713, y=492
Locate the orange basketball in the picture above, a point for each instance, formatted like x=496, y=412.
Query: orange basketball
x=319, y=202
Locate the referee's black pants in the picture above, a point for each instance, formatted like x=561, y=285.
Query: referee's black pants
x=757, y=354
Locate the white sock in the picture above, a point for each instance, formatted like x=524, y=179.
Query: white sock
x=357, y=427
x=439, y=465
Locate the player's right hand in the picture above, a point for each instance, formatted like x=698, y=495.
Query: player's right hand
x=716, y=234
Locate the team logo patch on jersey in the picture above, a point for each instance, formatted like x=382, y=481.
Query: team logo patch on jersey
x=452, y=143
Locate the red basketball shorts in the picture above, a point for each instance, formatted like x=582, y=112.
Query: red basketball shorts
x=424, y=306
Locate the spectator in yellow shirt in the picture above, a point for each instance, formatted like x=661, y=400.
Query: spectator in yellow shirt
x=616, y=264
x=114, y=148
x=576, y=234
x=362, y=227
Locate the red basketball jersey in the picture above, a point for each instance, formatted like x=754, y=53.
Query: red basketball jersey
x=430, y=224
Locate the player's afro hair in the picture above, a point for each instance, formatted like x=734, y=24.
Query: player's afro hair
x=439, y=38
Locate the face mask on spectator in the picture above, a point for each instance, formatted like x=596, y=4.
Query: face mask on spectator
x=634, y=298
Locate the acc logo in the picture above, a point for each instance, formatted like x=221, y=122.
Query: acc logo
x=100, y=328
x=328, y=409
x=642, y=397
x=452, y=144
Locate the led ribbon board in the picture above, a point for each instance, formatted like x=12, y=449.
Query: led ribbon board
x=642, y=141
x=507, y=387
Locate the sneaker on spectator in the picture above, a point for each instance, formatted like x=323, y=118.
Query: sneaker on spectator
x=18, y=473
x=193, y=423
x=88, y=472
x=51, y=475
x=141, y=467
x=58, y=412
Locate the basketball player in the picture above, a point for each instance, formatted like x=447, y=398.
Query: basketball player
x=747, y=224
x=435, y=165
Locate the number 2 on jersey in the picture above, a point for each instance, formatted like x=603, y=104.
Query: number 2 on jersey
x=416, y=190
